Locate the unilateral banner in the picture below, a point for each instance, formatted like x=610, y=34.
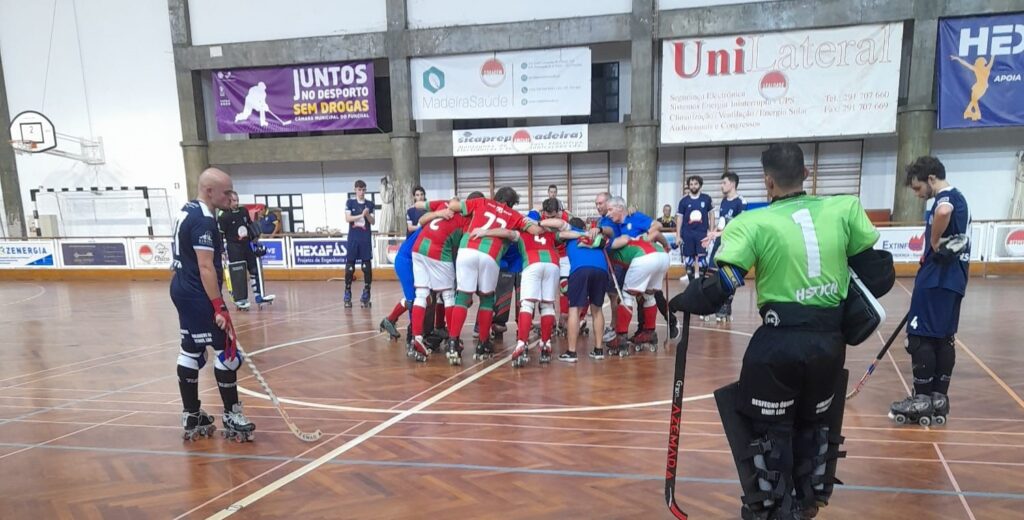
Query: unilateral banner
x=298, y=98
x=980, y=70
x=513, y=141
x=502, y=84
x=827, y=82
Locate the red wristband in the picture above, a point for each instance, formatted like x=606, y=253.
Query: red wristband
x=218, y=304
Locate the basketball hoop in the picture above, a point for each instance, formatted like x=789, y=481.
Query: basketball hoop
x=22, y=146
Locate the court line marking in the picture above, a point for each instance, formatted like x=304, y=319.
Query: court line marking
x=80, y=430
x=277, y=484
x=503, y=469
x=999, y=381
x=956, y=485
x=42, y=291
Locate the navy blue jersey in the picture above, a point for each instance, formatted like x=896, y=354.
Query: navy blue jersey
x=731, y=209
x=412, y=216
x=195, y=229
x=950, y=276
x=358, y=231
x=633, y=225
x=695, y=211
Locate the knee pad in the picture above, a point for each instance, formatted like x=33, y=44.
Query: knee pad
x=817, y=454
x=463, y=299
x=192, y=360
x=527, y=306
x=649, y=300
x=367, y=272
x=487, y=302
x=762, y=453
x=563, y=285
x=629, y=300
x=547, y=309
x=231, y=366
x=448, y=297
x=422, y=293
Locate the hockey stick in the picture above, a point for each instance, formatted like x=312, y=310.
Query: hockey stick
x=283, y=123
x=308, y=437
x=871, y=369
x=611, y=271
x=672, y=465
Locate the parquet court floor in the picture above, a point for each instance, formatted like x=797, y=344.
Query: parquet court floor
x=90, y=418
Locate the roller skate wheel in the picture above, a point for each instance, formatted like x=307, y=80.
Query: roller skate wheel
x=420, y=357
x=940, y=420
x=925, y=421
x=900, y=419
x=623, y=352
x=653, y=348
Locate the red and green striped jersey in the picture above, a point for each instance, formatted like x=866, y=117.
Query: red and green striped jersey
x=539, y=248
x=487, y=214
x=636, y=248
x=440, y=237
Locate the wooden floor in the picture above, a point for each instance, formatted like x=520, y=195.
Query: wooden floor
x=90, y=419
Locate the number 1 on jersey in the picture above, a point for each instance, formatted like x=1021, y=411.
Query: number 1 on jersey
x=803, y=218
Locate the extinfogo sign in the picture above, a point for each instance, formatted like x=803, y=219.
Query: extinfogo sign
x=829, y=82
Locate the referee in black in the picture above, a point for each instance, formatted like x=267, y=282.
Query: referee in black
x=239, y=233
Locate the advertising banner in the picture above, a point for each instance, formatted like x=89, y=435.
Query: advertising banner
x=550, y=82
x=104, y=254
x=29, y=253
x=319, y=252
x=796, y=84
x=1007, y=243
x=514, y=141
x=907, y=243
x=979, y=68
x=275, y=256
x=297, y=98
x=151, y=253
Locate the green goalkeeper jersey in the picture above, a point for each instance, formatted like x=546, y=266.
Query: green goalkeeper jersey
x=799, y=247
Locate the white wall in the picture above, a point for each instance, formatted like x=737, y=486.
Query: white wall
x=878, y=173
x=446, y=13
x=95, y=86
x=230, y=21
x=982, y=166
x=683, y=4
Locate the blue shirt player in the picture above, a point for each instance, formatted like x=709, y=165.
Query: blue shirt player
x=202, y=314
x=938, y=290
x=588, y=283
x=359, y=215
x=692, y=222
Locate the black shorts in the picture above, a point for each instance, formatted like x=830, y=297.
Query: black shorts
x=198, y=328
x=934, y=312
x=587, y=285
x=620, y=276
x=359, y=250
x=692, y=244
x=789, y=374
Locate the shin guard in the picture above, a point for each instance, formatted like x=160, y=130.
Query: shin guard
x=816, y=452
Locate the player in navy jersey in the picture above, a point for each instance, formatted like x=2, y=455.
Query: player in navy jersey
x=359, y=215
x=731, y=207
x=692, y=222
x=413, y=214
x=938, y=289
x=202, y=314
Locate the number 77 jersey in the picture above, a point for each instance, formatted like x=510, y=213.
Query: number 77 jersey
x=799, y=247
x=488, y=214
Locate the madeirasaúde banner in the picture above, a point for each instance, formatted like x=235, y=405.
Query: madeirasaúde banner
x=552, y=82
x=980, y=71
x=827, y=82
x=513, y=141
x=297, y=98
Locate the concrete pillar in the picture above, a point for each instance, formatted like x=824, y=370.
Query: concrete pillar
x=15, y=212
x=405, y=149
x=194, y=146
x=641, y=131
x=197, y=159
x=916, y=119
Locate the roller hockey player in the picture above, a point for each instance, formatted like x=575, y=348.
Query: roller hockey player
x=731, y=207
x=692, y=222
x=783, y=418
x=202, y=314
x=359, y=215
x=539, y=285
x=244, y=252
x=939, y=287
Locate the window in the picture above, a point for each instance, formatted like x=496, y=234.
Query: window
x=834, y=167
x=292, y=217
x=604, y=96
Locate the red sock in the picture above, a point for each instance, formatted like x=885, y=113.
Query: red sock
x=650, y=317
x=459, y=314
x=439, y=315
x=583, y=313
x=449, y=313
x=625, y=316
x=418, y=315
x=547, y=323
x=563, y=304
x=484, y=317
x=525, y=323
x=397, y=311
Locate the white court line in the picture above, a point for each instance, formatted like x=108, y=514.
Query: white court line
x=956, y=486
x=69, y=434
x=42, y=291
x=279, y=483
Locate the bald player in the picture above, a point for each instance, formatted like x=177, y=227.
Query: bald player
x=202, y=314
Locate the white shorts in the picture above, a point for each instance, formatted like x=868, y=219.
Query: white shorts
x=646, y=273
x=563, y=266
x=475, y=272
x=539, y=282
x=431, y=273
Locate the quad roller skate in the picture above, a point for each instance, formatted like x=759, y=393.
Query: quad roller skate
x=618, y=345
x=484, y=350
x=545, y=352
x=418, y=350
x=520, y=356
x=242, y=305
x=388, y=326
x=197, y=424
x=609, y=334
x=364, y=299
x=348, y=297
x=560, y=331
x=914, y=409
x=237, y=426
x=724, y=314
x=498, y=331
x=454, y=353
x=645, y=338
x=584, y=329
x=940, y=404
x=264, y=300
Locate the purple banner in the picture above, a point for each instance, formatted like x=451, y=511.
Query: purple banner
x=300, y=98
